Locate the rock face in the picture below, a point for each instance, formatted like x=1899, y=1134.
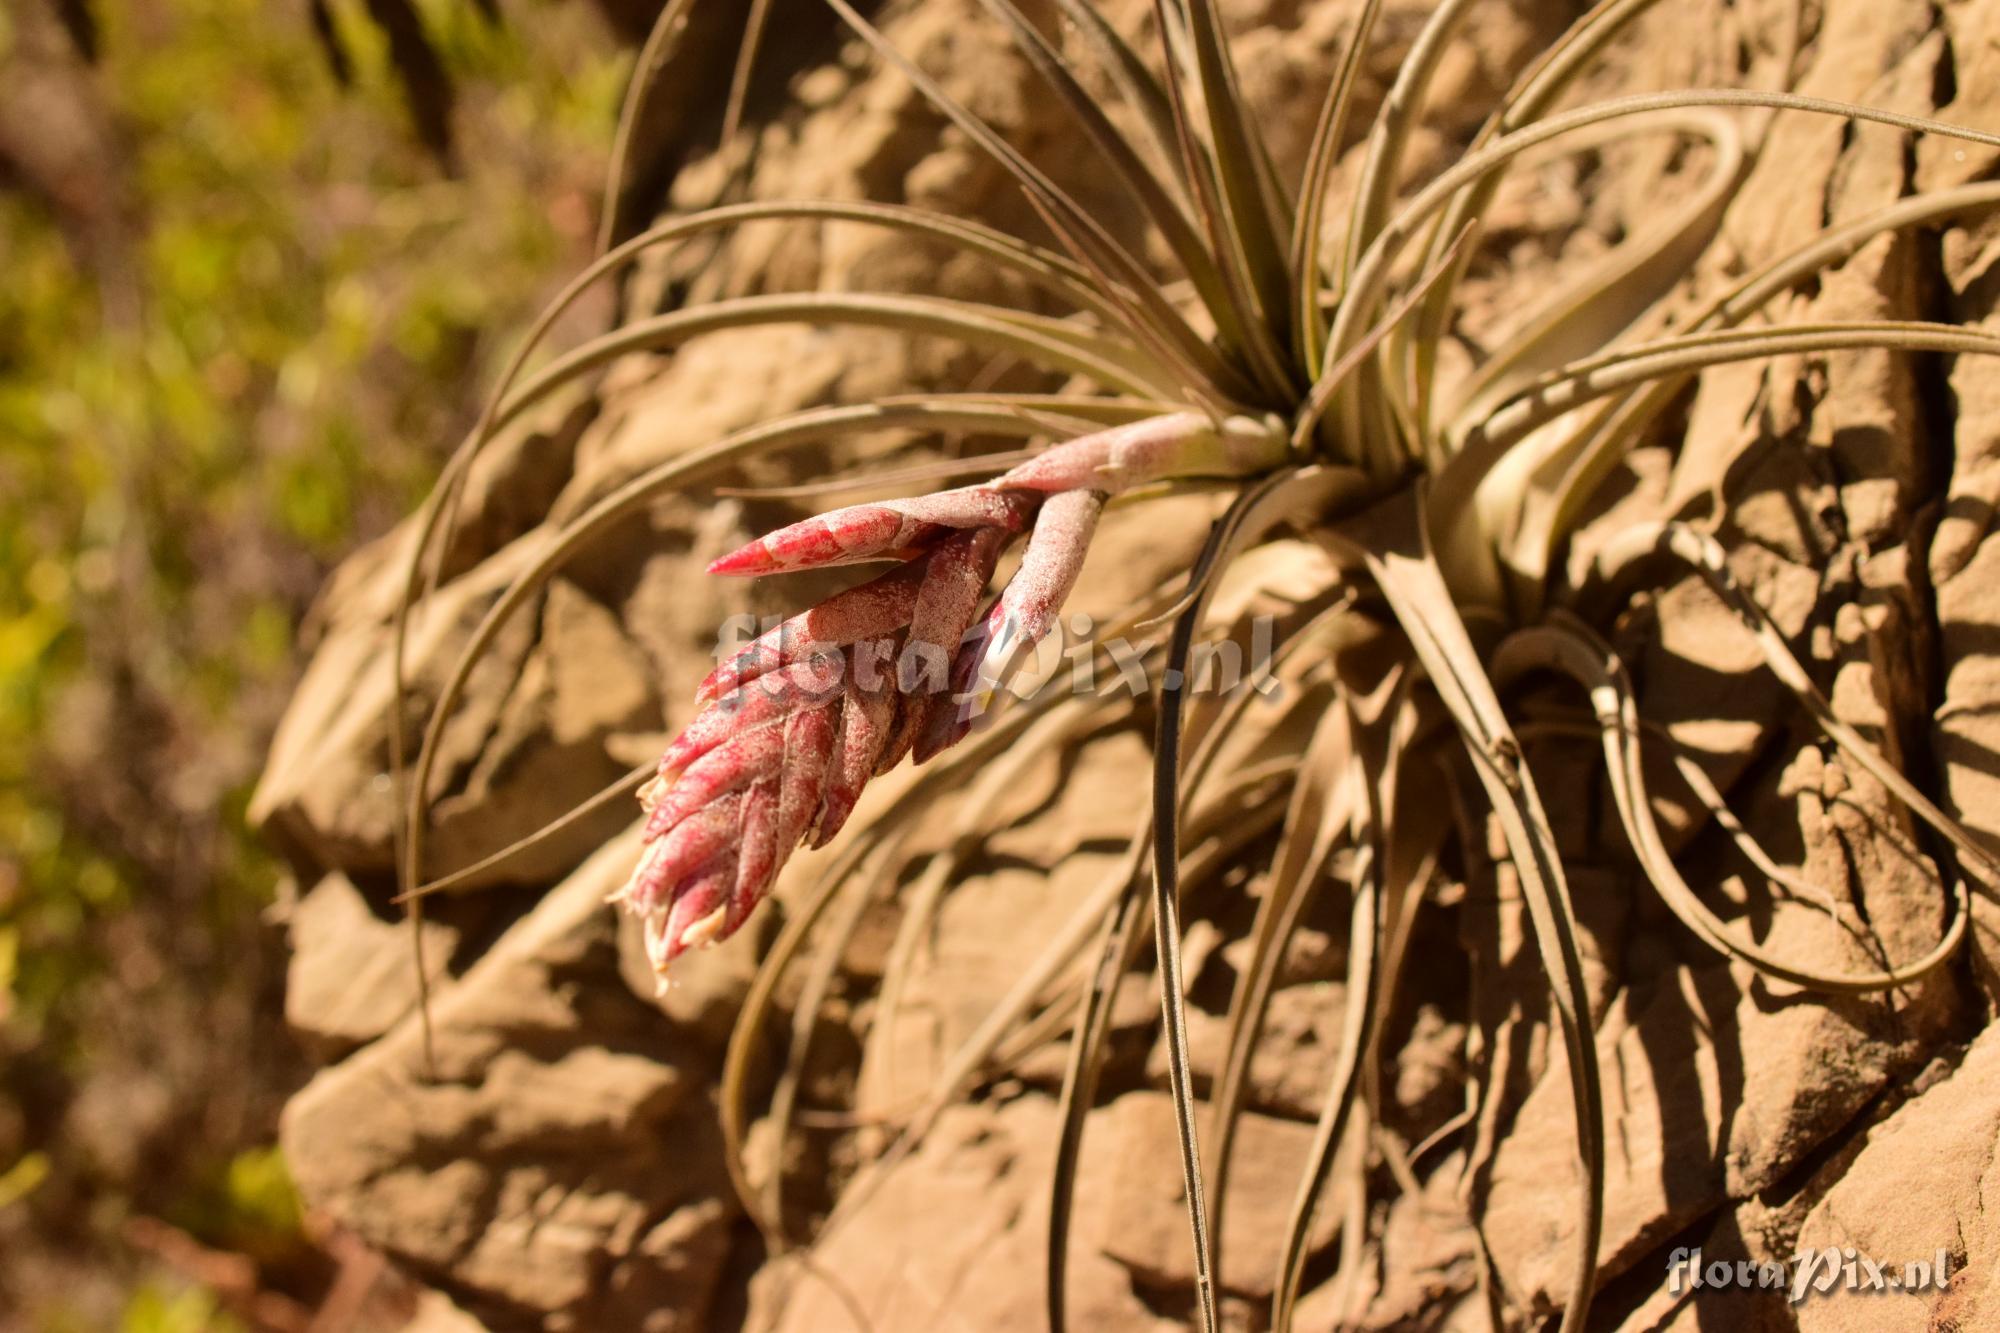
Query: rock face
x=554, y=1153
x=1919, y=1188
x=550, y=1152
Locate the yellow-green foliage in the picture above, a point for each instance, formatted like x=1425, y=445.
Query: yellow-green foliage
x=198, y=417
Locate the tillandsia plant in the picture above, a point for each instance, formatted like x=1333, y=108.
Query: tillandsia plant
x=1292, y=362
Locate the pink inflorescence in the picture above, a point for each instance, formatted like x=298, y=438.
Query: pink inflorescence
x=797, y=722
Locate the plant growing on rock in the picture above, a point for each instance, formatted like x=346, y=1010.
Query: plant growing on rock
x=1293, y=365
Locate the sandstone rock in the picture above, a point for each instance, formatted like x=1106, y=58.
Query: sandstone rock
x=1921, y=1185
x=1293, y=1064
x=987, y=1170
x=351, y=977
x=1715, y=1088
x=1425, y=1275
x=437, y=1314
x=559, y=1163
x=1145, y=1226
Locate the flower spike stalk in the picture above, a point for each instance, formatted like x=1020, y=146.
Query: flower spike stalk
x=795, y=723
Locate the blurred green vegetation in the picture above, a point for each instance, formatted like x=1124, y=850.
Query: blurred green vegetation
x=245, y=312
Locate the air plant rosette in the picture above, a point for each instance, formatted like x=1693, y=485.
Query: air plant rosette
x=1294, y=369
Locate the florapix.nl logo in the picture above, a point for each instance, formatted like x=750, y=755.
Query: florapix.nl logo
x=1807, y=1273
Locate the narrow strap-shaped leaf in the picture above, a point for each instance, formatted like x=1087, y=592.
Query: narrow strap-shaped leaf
x=1532, y=95
x=1205, y=387
x=807, y=1015
x=1469, y=550
x=1167, y=930
x=1583, y=381
x=1117, y=954
x=1707, y=795
x=1165, y=213
x=1166, y=880
x=1371, y=273
x=1135, y=81
x=1308, y=320
x=1566, y=482
x=1316, y=815
x=1049, y=271
x=1391, y=869
x=975, y=756
x=1080, y=1072
x=1401, y=110
x=661, y=45
x=1618, y=287
x=1392, y=544
x=747, y=1035
x=1246, y=328
x=746, y=64
x=1098, y=410
x=1037, y=338
x=1356, y=1027
x=1706, y=555
x=890, y=481
x=1078, y=224
x=1568, y=647
x=1354, y=359
x=1258, y=226
x=620, y=789
x=1050, y=733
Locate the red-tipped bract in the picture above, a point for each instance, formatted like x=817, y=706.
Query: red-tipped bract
x=796, y=723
